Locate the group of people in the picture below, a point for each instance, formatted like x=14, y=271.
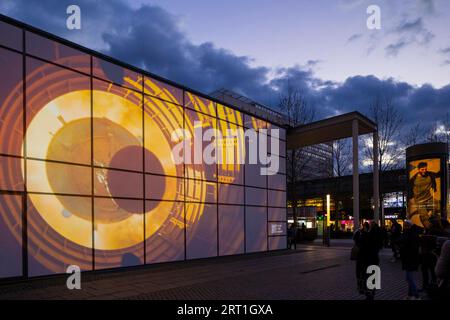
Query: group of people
x=427, y=250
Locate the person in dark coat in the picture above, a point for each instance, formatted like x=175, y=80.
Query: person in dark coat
x=409, y=255
x=369, y=241
x=292, y=234
x=396, y=233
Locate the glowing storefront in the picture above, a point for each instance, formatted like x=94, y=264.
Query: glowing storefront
x=87, y=175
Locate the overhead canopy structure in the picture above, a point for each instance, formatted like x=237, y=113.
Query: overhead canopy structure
x=343, y=126
x=330, y=129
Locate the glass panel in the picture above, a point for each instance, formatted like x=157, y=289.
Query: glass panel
x=277, y=181
x=230, y=114
x=50, y=177
x=11, y=174
x=277, y=198
x=59, y=233
x=162, y=119
x=116, y=183
x=201, y=191
x=164, y=231
x=163, y=91
x=116, y=74
x=277, y=214
x=231, y=153
x=10, y=36
x=118, y=233
x=277, y=243
x=200, y=153
x=282, y=168
x=231, y=194
x=10, y=236
x=164, y=188
x=117, y=127
x=231, y=230
x=57, y=53
x=253, y=166
x=254, y=122
x=277, y=228
x=58, y=114
x=281, y=131
x=200, y=104
x=255, y=197
x=255, y=229
x=11, y=102
x=201, y=232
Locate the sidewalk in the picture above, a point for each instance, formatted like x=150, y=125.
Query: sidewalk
x=310, y=272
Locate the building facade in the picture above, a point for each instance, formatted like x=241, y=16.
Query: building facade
x=88, y=175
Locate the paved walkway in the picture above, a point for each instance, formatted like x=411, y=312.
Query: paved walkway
x=310, y=272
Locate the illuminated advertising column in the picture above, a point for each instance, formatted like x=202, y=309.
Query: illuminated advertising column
x=427, y=172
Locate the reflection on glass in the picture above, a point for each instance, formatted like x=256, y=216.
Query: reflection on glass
x=116, y=74
x=57, y=53
x=10, y=36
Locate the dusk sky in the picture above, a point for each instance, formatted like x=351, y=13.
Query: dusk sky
x=323, y=47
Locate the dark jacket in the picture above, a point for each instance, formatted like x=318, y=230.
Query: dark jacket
x=369, y=244
x=432, y=175
x=409, y=249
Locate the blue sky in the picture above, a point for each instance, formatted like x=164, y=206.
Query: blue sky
x=253, y=46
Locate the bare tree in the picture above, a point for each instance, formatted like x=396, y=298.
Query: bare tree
x=342, y=159
x=390, y=123
x=440, y=130
x=298, y=111
x=413, y=136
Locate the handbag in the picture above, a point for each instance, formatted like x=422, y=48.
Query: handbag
x=354, y=252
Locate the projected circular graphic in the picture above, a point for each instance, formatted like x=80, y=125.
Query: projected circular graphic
x=64, y=226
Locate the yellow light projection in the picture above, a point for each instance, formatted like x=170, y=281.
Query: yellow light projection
x=117, y=125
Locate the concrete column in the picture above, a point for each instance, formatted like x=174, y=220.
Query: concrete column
x=355, y=135
x=376, y=181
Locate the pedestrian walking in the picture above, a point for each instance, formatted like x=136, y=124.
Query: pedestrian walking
x=396, y=233
x=292, y=233
x=409, y=255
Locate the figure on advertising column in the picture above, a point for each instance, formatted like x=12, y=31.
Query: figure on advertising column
x=424, y=191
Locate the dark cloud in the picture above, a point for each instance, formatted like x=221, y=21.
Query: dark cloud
x=410, y=32
x=150, y=37
x=393, y=49
x=354, y=37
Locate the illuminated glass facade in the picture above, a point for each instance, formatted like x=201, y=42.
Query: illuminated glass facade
x=87, y=175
